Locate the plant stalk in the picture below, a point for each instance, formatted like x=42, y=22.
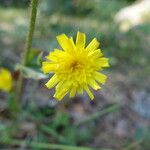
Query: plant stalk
x=25, y=54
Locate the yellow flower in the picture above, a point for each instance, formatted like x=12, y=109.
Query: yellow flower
x=76, y=67
x=5, y=80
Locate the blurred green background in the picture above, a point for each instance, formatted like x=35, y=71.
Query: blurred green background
x=78, y=121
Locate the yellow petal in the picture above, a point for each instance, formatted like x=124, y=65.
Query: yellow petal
x=101, y=78
x=72, y=42
x=52, y=82
x=62, y=89
x=48, y=67
x=80, y=40
x=95, y=54
x=103, y=62
x=93, y=84
x=64, y=42
x=73, y=92
x=60, y=93
x=59, y=85
x=89, y=92
x=94, y=44
x=80, y=89
x=52, y=56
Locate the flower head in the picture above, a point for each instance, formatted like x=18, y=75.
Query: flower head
x=5, y=80
x=76, y=67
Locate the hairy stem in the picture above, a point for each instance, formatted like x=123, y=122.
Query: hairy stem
x=28, y=45
x=26, y=52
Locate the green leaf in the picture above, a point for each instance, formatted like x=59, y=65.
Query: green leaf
x=34, y=58
x=30, y=72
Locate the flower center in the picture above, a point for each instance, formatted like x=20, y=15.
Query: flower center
x=75, y=65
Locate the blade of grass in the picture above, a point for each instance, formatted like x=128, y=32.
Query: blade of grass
x=53, y=133
x=133, y=145
x=49, y=146
x=110, y=109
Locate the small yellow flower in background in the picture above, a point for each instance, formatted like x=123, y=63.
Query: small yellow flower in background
x=5, y=80
x=76, y=67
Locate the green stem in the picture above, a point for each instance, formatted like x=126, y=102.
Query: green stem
x=28, y=45
x=26, y=52
x=39, y=145
x=99, y=114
